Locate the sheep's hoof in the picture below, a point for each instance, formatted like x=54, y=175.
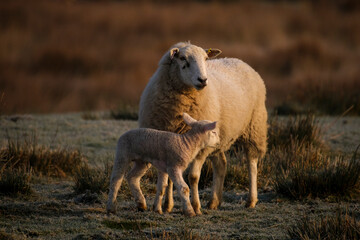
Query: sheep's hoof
x=110, y=212
x=213, y=205
x=250, y=204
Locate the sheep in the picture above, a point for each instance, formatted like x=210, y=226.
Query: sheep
x=169, y=152
x=227, y=90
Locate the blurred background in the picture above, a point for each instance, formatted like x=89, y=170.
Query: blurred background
x=65, y=56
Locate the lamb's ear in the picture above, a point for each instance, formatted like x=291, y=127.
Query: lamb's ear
x=213, y=52
x=210, y=126
x=188, y=119
x=174, y=52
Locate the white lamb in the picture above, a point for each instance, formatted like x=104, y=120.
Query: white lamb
x=169, y=152
x=226, y=90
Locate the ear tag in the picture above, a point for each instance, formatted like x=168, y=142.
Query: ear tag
x=209, y=51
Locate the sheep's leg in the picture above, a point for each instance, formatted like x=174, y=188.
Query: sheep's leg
x=139, y=169
x=255, y=150
x=117, y=176
x=194, y=176
x=253, y=194
x=183, y=190
x=219, y=172
x=169, y=199
x=160, y=191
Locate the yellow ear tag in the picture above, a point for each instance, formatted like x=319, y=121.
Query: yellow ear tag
x=209, y=51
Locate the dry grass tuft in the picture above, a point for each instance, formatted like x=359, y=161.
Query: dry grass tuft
x=303, y=171
x=94, y=180
x=301, y=129
x=42, y=160
x=340, y=226
x=15, y=182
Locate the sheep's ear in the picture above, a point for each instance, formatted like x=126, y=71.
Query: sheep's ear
x=174, y=52
x=188, y=119
x=213, y=52
x=210, y=126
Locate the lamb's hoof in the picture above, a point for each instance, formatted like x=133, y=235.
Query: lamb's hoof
x=141, y=207
x=159, y=211
x=168, y=207
x=190, y=213
x=168, y=210
x=250, y=204
x=198, y=212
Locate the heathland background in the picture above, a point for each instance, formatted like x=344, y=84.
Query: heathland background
x=61, y=56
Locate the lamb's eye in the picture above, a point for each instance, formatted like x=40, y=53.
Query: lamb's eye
x=182, y=58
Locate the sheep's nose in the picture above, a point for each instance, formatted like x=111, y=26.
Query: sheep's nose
x=202, y=80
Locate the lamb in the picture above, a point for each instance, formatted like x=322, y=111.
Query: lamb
x=169, y=152
x=227, y=90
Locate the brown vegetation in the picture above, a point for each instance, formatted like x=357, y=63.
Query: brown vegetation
x=58, y=56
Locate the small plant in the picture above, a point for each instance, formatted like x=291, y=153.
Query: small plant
x=42, y=160
x=94, y=180
x=340, y=226
x=184, y=233
x=125, y=112
x=302, y=172
x=302, y=129
x=15, y=182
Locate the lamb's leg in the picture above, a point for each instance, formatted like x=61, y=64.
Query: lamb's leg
x=219, y=171
x=169, y=199
x=160, y=190
x=117, y=176
x=194, y=176
x=183, y=190
x=139, y=169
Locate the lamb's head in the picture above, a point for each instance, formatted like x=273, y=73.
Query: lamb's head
x=191, y=60
x=207, y=129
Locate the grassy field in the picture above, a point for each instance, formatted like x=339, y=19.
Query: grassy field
x=54, y=210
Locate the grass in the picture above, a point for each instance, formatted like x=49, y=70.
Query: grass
x=54, y=211
x=15, y=182
x=340, y=226
x=306, y=172
x=303, y=129
x=126, y=224
x=94, y=180
x=41, y=160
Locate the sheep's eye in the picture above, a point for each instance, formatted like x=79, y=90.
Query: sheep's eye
x=182, y=58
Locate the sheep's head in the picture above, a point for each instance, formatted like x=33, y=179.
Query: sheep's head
x=192, y=63
x=206, y=128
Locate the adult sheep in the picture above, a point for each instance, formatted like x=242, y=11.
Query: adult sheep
x=225, y=90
